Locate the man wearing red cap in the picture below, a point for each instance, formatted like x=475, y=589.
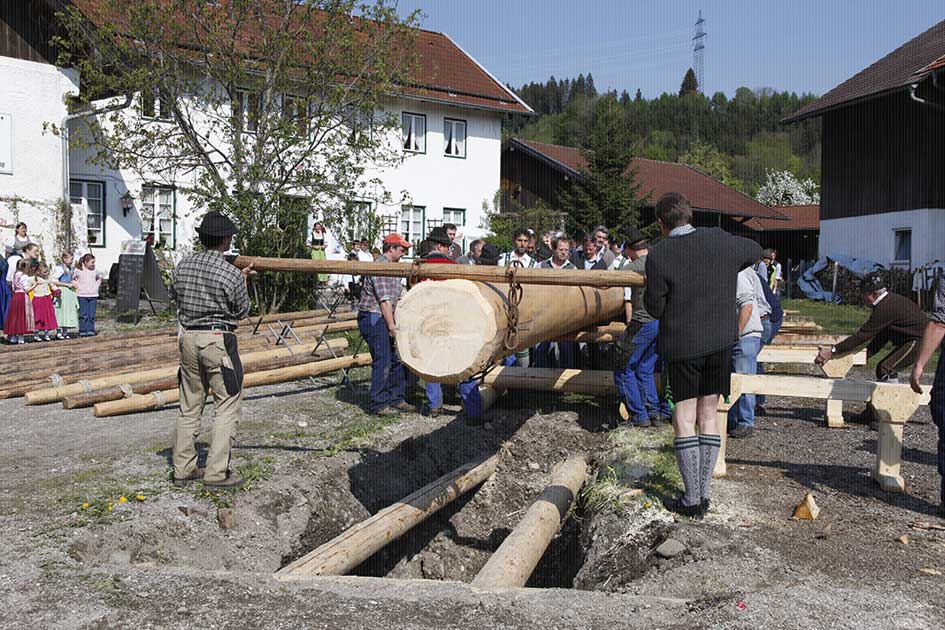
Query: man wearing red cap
x=376, y=322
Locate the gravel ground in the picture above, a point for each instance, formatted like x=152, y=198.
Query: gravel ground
x=319, y=465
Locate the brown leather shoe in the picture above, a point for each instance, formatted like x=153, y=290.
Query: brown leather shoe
x=183, y=482
x=405, y=407
x=233, y=480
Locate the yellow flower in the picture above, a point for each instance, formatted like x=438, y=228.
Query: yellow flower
x=85, y=506
x=109, y=507
x=122, y=500
x=140, y=497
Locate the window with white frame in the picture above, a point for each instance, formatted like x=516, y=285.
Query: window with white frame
x=414, y=132
x=157, y=215
x=412, y=223
x=361, y=126
x=91, y=196
x=454, y=136
x=246, y=109
x=902, y=246
x=155, y=104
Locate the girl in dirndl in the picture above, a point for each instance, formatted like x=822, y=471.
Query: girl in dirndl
x=44, y=313
x=19, y=321
x=67, y=306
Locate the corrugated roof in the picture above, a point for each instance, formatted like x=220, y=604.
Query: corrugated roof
x=910, y=63
x=799, y=218
x=657, y=178
x=445, y=72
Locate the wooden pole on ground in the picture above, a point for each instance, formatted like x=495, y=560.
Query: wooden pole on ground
x=433, y=271
x=158, y=399
x=518, y=555
x=126, y=390
x=598, y=382
x=345, y=552
x=448, y=331
x=55, y=394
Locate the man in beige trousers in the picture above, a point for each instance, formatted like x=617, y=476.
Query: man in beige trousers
x=211, y=298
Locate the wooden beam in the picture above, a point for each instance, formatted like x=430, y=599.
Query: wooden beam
x=518, y=555
x=595, y=382
x=159, y=399
x=433, y=271
x=448, y=331
x=358, y=543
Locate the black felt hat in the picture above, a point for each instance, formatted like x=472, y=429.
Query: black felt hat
x=215, y=223
x=438, y=235
x=872, y=282
x=489, y=254
x=635, y=239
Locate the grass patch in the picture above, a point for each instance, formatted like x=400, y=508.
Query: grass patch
x=252, y=470
x=90, y=498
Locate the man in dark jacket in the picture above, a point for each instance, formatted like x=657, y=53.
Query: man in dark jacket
x=589, y=256
x=691, y=278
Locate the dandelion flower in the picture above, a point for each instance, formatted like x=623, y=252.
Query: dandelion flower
x=109, y=507
x=140, y=497
x=122, y=500
x=85, y=506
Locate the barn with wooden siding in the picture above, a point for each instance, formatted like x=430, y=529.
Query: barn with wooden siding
x=536, y=172
x=883, y=163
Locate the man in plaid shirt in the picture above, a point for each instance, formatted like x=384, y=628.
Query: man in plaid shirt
x=211, y=298
x=376, y=323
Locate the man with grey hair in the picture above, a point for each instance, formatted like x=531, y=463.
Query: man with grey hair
x=602, y=235
x=472, y=258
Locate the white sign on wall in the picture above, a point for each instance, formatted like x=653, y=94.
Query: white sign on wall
x=6, y=144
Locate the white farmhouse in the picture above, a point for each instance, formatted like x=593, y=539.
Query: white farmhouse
x=450, y=137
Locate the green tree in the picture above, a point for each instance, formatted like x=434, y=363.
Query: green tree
x=266, y=110
x=689, y=83
x=709, y=160
x=606, y=193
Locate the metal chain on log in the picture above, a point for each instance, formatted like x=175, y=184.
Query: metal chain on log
x=511, y=308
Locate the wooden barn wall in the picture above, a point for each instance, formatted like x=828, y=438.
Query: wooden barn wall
x=25, y=30
x=526, y=181
x=883, y=155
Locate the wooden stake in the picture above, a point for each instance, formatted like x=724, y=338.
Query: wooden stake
x=345, y=552
x=518, y=555
x=448, y=331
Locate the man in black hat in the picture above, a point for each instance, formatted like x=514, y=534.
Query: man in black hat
x=211, y=298
x=895, y=319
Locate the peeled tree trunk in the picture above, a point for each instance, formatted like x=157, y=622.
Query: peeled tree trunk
x=447, y=331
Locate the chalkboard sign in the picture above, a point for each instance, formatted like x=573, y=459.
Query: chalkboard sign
x=137, y=270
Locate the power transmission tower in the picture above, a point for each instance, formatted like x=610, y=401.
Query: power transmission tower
x=698, y=46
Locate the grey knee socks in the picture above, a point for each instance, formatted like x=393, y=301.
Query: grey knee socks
x=709, y=447
x=688, y=458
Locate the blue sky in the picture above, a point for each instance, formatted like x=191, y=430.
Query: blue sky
x=798, y=45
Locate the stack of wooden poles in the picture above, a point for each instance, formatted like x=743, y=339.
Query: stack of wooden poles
x=137, y=371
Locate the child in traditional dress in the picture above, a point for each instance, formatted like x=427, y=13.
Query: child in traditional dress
x=67, y=305
x=19, y=321
x=44, y=313
x=88, y=280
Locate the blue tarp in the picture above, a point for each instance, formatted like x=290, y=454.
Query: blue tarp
x=813, y=290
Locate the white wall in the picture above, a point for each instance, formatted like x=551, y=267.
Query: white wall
x=34, y=95
x=872, y=237
x=430, y=179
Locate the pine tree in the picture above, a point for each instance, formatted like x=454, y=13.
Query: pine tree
x=606, y=194
x=639, y=96
x=589, y=89
x=689, y=83
x=578, y=87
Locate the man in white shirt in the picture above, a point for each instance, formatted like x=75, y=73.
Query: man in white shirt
x=520, y=239
x=752, y=306
x=362, y=249
x=553, y=353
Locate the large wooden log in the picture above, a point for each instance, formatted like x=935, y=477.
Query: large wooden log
x=358, y=543
x=125, y=390
x=55, y=394
x=432, y=271
x=513, y=562
x=593, y=382
x=448, y=331
x=157, y=400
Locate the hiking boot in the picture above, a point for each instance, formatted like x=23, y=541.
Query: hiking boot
x=641, y=423
x=675, y=505
x=660, y=419
x=233, y=480
x=741, y=431
x=404, y=407
x=706, y=504
x=386, y=412
x=183, y=482
x=435, y=412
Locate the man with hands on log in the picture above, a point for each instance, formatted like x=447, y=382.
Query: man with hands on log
x=691, y=279
x=379, y=298
x=932, y=340
x=211, y=298
x=895, y=319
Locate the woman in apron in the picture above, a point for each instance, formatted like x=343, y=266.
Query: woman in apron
x=67, y=304
x=318, y=249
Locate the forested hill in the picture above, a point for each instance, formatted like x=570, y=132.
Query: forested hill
x=735, y=139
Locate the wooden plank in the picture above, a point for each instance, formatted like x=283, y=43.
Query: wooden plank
x=358, y=543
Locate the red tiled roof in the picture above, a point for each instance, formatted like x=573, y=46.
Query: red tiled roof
x=657, y=178
x=910, y=63
x=445, y=72
x=800, y=218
